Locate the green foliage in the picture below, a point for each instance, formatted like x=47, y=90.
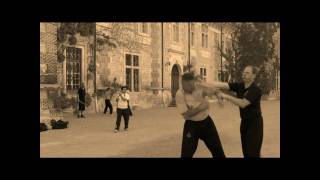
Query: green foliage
x=63, y=102
x=48, y=79
x=252, y=44
x=188, y=67
x=60, y=102
x=105, y=40
x=264, y=80
x=72, y=40
x=71, y=29
x=61, y=57
x=101, y=92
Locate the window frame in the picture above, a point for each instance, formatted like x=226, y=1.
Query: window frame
x=176, y=32
x=74, y=86
x=203, y=73
x=132, y=68
x=192, y=34
x=204, y=35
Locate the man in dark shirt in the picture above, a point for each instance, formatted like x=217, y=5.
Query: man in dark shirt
x=81, y=99
x=248, y=99
x=108, y=101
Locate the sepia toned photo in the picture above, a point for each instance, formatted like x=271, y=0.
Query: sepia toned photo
x=159, y=90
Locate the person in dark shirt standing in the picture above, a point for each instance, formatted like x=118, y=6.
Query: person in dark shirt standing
x=248, y=99
x=108, y=101
x=82, y=100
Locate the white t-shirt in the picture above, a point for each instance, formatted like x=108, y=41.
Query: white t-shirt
x=123, y=104
x=192, y=100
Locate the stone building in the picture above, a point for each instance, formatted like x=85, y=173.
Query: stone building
x=148, y=57
x=48, y=67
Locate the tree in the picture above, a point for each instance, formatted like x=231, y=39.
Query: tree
x=68, y=31
x=229, y=52
x=252, y=44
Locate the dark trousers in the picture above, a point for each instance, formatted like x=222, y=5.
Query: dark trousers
x=251, y=131
x=125, y=114
x=108, y=105
x=204, y=130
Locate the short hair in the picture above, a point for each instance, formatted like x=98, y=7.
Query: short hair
x=108, y=89
x=188, y=76
x=255, y=70
x=123, y=87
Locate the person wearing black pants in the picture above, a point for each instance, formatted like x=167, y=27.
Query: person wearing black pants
x=122, y=109
x=204, y=130
x=248, y=99
x=82, y=100
x=251, y=131
x=108, y=102
x=198, y=124
x=125, y=114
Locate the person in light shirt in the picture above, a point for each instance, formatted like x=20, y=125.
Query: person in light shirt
x=122, y=109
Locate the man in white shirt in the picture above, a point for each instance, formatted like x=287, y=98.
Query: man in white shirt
x=198, y=124
x=122, y=109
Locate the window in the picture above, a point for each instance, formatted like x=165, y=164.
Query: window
x=73, y=67
x=192, y=29
x=203, y=73
x=175, y=32
x=204, y=35
x=216, y=39
x=128, y=60
x=132, y=72
x=145, y=28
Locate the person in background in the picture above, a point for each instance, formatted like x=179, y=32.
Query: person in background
x=122, y=109
x=82, y=100
x=108, y=101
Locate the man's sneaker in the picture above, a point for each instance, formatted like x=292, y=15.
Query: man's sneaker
x=78, y=116
x=126, y=129
x=82, y=116
x=116, y=130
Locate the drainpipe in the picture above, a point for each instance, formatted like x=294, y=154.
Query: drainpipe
x=189, y=46
x=95, y=66
x=162, y=63
x=162, y=55
x=221, y=50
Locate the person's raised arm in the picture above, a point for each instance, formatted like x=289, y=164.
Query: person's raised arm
x=241, y=102
x=193, y=111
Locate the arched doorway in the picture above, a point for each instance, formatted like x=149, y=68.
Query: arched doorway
x=174, y=83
